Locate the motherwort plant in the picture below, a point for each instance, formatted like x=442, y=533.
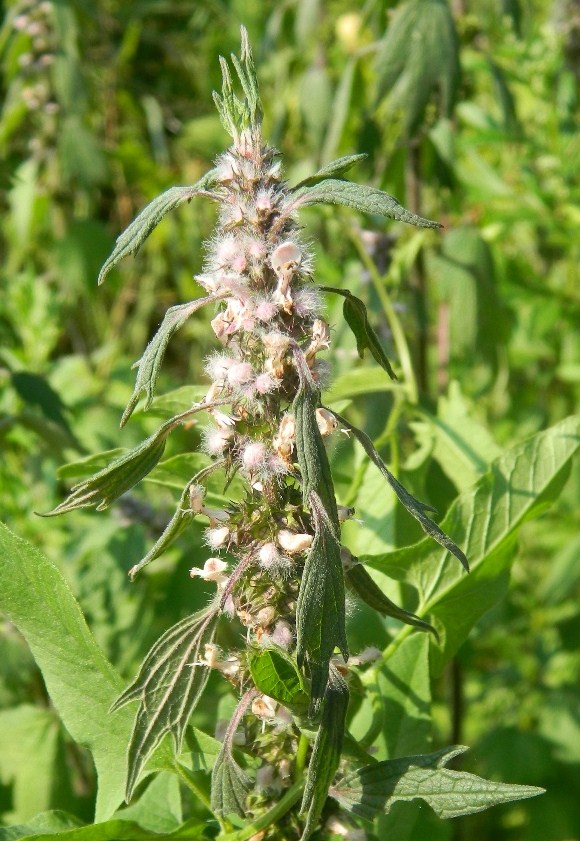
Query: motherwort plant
x=277, y=561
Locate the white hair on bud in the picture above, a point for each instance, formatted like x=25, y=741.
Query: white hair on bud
x=308, y=301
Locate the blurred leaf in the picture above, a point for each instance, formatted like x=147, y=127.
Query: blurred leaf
x=159, y=807
x=355, y=383
x=371, y=791
x=81, y=683
x=418, y=55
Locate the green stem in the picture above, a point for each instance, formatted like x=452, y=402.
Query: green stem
x=301, y=755
x=395, y=325
x=269, y=818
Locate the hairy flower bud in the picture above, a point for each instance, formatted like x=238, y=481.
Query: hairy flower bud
x=327, y=423
x=292, y=542
x=213, y=570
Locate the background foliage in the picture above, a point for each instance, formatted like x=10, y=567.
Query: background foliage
x=107, y=104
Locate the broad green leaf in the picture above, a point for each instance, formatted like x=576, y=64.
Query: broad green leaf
x=27, y=731
x=177, y=400
x=275, y=674
x=372, y=790
x=133, y=237
x=158, y=809
x=81, y=683
x=47, y=824
x=419, y=55
x=150, y=362
x=416, y=508
x=326, y=752
x=320, y=612
x=486, y=518
x=359, y=581
x=121, y=474
x=359, y=381
x=356, y=316
x=359, y=197
x=113, y=830
x=168, y=687
x=229, y=783
x=462, y=445
x=330, y=170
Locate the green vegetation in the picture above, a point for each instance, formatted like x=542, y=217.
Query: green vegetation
x=470, y=117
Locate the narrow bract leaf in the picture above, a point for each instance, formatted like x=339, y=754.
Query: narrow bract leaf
x=230, y=783
x=320, y=612
x=180, y=520
x=356, y=316
x=416, y=508
x=150, y=362
x=338, y=167
x=135, y=235
x=119, y=476
x=169, y=685
x=276, y=675
x=326, y=752
x=312, y=458
x=359, y=197
x=372, y=790
x=358, y=580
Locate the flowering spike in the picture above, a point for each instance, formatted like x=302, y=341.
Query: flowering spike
x=276, y=556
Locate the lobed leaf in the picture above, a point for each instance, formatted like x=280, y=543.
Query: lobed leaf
x=359, y=197
x=360, y=582
x=150, y=362
x=133, y=237
x=371, y=791
x=230, y=783
x=168, y=686
x=320, y=611
x=338, y=167
x=326, y=752
x=416, y=508
x=356, y=316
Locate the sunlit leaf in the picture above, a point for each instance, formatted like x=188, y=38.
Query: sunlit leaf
x=359, y=197
x=133, y=237
x=276, y=675
x=150, y=362
x=338, y=167
x=168, y=687
x=372, y=790
x=485, y=518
